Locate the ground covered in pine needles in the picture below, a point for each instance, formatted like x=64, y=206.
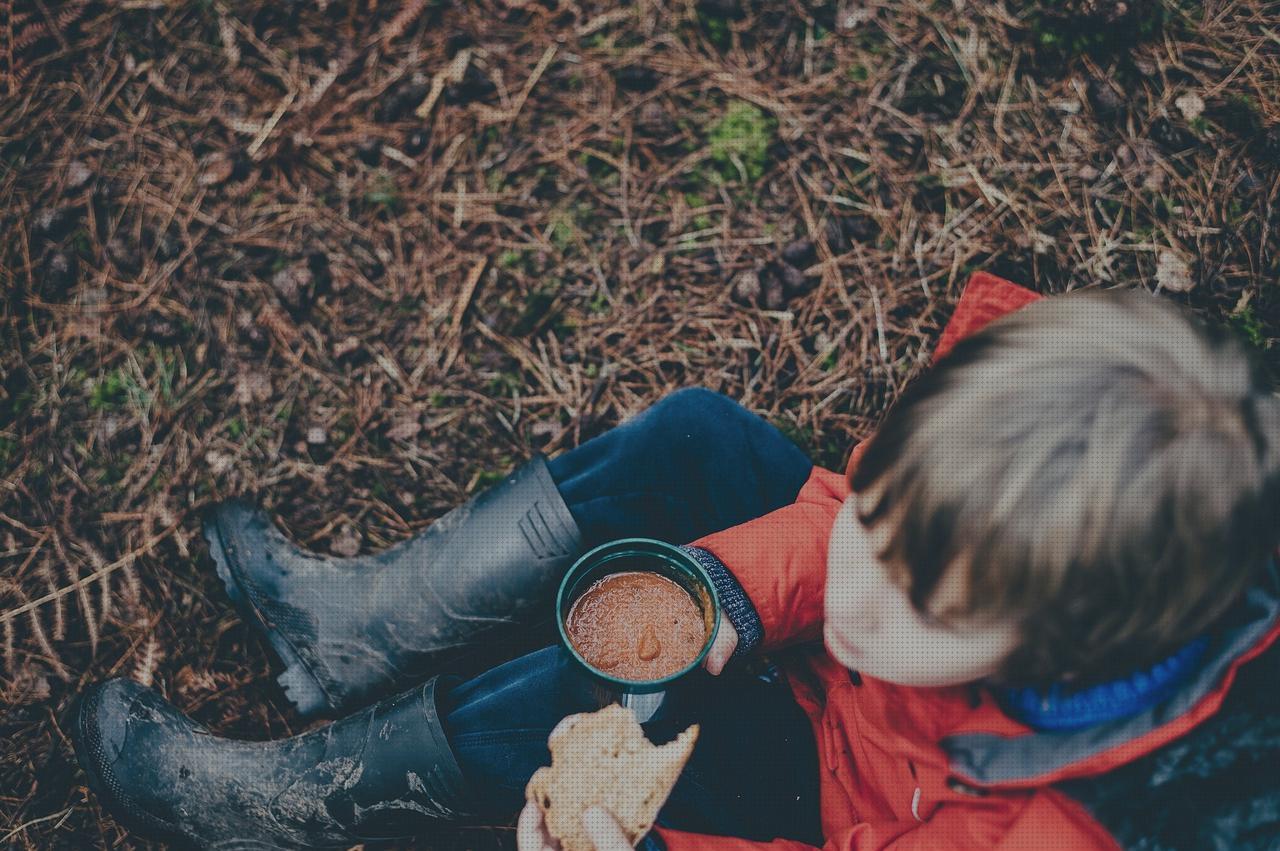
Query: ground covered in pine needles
x=356, y=259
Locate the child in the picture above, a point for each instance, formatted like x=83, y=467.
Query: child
x=1050, y=561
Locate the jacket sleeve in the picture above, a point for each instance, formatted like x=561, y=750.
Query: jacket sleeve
x=1038, y=821
x=780, y=561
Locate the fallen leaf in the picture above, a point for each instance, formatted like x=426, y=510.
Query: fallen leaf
x=78, y=174
x=293, y=284
x=215, y=168
x=747, y=288
x=346, y=543
x=1191, y=105
x=345, y=347
x=219, y=462
x=1173, y=273
x=406, y=428
x=253, y=387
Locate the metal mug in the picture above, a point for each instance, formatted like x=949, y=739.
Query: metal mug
x=648, y=555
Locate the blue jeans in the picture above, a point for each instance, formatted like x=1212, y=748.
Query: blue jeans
x=694, y=463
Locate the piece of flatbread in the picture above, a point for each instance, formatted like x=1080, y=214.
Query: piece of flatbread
x=604, y=759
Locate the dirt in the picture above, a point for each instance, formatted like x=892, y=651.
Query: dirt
x=357, y=259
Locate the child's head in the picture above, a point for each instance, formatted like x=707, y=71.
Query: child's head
x=1075, y=491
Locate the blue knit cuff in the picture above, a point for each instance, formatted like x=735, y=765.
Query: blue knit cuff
x=733, y=600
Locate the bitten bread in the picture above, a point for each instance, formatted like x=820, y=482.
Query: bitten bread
x=603, y=759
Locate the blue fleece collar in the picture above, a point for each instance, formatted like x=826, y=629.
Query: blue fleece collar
x=1056, y=708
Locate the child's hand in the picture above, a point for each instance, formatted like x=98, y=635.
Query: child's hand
x=722, y=648
x=604, y=830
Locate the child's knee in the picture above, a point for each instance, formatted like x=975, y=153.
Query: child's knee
x=695, y=411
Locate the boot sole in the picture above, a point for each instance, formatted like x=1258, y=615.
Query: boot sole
x=301, y=688
x=132, y=818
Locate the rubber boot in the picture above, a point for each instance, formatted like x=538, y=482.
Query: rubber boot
x=387, y=772
x=351, y=630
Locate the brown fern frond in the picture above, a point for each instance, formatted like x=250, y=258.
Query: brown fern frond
x=10, y=667
x=71, y=13
x=133, y=587
x=59, y=612
x=46, y=646
x=145, y=671
x=90, y=622
x=72, y=575
x=29, y=35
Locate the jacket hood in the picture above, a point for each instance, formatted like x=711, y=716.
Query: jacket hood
x=1007, y=753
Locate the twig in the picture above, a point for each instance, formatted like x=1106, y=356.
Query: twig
x=270, y=126
x=547, y=56
x=454, y=335
x=124, y=561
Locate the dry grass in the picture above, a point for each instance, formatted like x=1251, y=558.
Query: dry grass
x=356, y=259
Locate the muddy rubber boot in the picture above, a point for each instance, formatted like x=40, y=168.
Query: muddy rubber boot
x=349, y=630
x=386, y=772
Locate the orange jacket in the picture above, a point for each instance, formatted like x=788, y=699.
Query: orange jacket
x=926, y=768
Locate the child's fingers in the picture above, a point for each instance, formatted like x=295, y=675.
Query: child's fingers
x=528, y=827
x=721, y=649
x=531, y=834
x=605, y=831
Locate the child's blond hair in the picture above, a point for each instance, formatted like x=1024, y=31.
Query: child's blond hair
x=1102, y=466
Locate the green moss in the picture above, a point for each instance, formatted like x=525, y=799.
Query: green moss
x=716, y=30
x=485, y=478
x=110, y=393
x=700, y=221
x=742, y=136
x=113, y=471
x=1063, y=35
x=511, y=259
x=166, y=361
x=562, y=230
x=81, y=243
x=504, y=384
x=532, y=316
x=801, y=436
x=1250, y=327
x=1235, y=211
x=857, y=73
x=21, y=402
x=382, y=190
x=234, y=428
x=598, y=305
x=601, y=172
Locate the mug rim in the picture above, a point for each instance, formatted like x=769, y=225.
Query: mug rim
x=655, y=547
